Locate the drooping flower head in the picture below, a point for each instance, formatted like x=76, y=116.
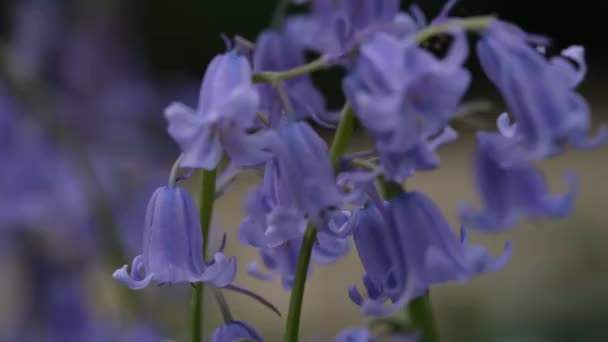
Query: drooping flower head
x=172, y=246
x=226, y=111
x=299, y=186
x=509, y=193
x=393, y=89
x=406, y=246
x=235, y=331
x=539, y=92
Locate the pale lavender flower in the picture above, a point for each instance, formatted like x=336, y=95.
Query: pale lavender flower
x=226, y=110
x=510, y=193
x=172, y=246
x=539, y=93
x=406, y=246
x=392, y=89
x=234, y=331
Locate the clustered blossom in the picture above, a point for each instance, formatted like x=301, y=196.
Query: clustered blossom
x=257, y=110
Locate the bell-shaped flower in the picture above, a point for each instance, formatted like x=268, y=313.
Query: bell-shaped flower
x=539, y=92
x=511, y=192
x=222, y=121
x=235, y=331
x=172, y=246
x=298, y=187
x=274, y=51
x=333, y=28
x=392, y=89
x=406, y=246
x=355, y=335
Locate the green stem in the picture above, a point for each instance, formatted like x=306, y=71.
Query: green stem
x=343, y=136
x=341, y=140
x=471, y=24
x=206, y=211
x=297, y=292
x=279, y=13
x=277, y=76
x=421, y=314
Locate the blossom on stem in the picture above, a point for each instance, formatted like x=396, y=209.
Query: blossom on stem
x=226, y=112
x=298, y=187
x=511, y=192
x=392, y=89
x=173, y=246
x=539, y=92
x=406, y=246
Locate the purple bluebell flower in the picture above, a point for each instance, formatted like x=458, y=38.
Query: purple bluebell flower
x=274, y=51
x=234, y=331
x=539, y=92
x=406, y=246
x=392, y=90
x=334, y=28
x=172, y=246
x=226, y=110
x=509, y=193
x=298, y=187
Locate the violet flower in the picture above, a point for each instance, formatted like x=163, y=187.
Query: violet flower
x=234, y=331
x=172, y=246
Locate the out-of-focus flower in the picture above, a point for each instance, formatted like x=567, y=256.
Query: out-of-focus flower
x=539, y=93
x=274, y=51
x=235, y=331
x=172, y=246
x=392, y=90
x=511, y=192
x=334, y=27
x=226, y=111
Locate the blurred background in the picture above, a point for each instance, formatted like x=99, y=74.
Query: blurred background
x=83, y=85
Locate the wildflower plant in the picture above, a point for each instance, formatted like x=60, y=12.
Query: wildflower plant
x=255, y=110
x=258, y=109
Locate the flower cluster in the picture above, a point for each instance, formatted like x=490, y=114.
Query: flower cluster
x=257, y=110
x=253, y=110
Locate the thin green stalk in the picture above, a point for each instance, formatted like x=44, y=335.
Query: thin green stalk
x=277, y=76
x=206, y=211
x=343, y=136
x=471, y=24
x=338, y=148
x=292, y=331
x=421, y=314
x=279, y=13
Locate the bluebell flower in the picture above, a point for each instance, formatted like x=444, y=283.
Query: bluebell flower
x=172, y=246
x=234, y=331
x=298, y=187
x=510, y=193
x=274, y=51
x=392, y=89
x=407, y=246
x=333, y=28
x=539, y=92
x=226, y=111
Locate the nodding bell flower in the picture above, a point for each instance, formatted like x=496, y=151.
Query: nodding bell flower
x=355, y=335
x=511, y=192
x=407, y=246
x=222, y=121
x=172, y=246
x=236, y=331
x=539, y=92
x=298, y=187
x=392, y=88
